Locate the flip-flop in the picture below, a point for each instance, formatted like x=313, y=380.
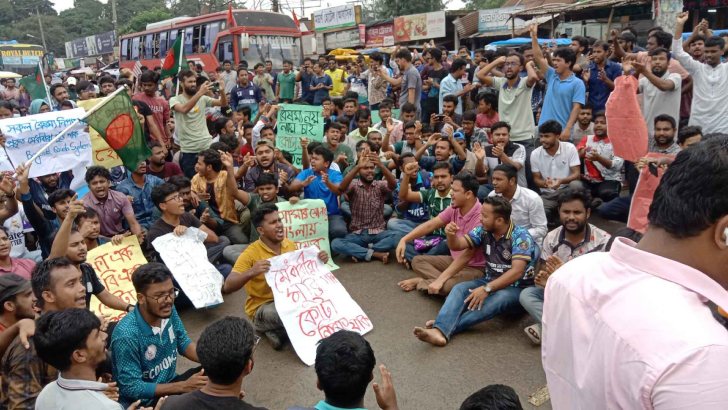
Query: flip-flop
x=534, y=333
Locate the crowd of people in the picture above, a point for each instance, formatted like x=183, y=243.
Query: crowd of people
x=486, y=182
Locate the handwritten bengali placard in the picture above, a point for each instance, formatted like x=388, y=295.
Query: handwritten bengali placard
x=296, y=121
x=307, y=224
x=103, y=154
x=27, y=135
x=311, y=302
x=114, y=265
x=186, y=257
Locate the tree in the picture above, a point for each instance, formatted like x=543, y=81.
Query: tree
x=140, y=21
x=55, y=34
x=86, y=18
x=484, y=4
x=395, y=8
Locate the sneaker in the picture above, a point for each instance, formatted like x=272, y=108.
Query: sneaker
x=534, y=333
x=275, y=339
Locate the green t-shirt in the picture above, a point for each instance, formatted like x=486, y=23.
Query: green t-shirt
x=288, y=85
x=191, y=128
x=346, y=150
x=435, y=205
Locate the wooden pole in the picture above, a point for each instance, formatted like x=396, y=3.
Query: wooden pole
x=553, y=29
x=513, y=27
x=609, y=24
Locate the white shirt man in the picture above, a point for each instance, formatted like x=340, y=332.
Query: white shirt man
x=528, y=212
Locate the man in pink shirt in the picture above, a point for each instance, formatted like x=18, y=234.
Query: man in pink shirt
x=630, y=329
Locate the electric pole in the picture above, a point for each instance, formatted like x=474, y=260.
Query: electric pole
x=274, y=4
x=113, y=17
x=42, y=36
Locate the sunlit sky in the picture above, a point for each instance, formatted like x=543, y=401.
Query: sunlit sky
x=61, y=5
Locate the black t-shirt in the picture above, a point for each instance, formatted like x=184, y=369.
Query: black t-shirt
x=91, y=282
x=198, y=400
x=143, y=109
x=433, y=96
x=160, y=228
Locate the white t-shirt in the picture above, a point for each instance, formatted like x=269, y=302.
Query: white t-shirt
x=656, y=102
x=17, y=226
x=558, y=166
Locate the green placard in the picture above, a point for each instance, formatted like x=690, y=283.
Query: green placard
x=296, y=121
x=307, y=224
x=376, y=119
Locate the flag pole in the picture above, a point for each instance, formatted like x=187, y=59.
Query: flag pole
x=179, y=63
x=45, y=86
x=68, y=128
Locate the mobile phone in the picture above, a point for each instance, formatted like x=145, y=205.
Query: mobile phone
x=441, y=117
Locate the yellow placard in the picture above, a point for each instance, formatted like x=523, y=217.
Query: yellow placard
x=103, y=154
x=114, y=265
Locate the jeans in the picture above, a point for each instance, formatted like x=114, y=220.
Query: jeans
x=266, y=319
x=346, y=209
x=363, y=245
x=187, y=162
x=440, y=249
x=484, y=190
x=605, y=190
x=231, y=253
x=551, y=201
x=214, y=250
x=337, y=227
x=529, y=145
x=32, y=255
x=617, y=209
x=403, y=226
x=532, y=300
x=234, y=233
x=454, y=316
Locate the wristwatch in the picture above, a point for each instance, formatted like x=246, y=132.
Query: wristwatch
x=487, y=289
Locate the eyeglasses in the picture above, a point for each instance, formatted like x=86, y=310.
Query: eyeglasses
x=174, y=198
x=511, y=64
x=167, y=297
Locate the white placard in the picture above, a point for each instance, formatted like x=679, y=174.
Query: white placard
x=334, y=17
x=311, y=302
x=186, y=257
x=24, y=136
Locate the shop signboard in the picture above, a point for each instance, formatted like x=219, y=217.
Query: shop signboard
x=498, y=19
x=420, y=26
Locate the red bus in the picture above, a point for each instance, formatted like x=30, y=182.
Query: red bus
x=208, y=40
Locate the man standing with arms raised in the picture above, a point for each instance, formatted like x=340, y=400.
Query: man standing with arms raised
x=191, y=125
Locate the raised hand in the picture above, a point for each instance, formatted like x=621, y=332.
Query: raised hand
x=324, y=177
x=283, y=178
x=307, y=181
x=226, y=158
x=411, y=169
x=452, y=228
x=498, y=150
x=390, y=126
x=682, y=18
x=75, y=208
x=249, y=161
x=639, y=67
x=386, y=396
x=602, y=76
x=586, y=74
x=432, y=141
x=205, y=217
x=479, y=151
x=533, y=30
x=304, y=142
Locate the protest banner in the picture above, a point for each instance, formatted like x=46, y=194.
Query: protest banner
x=311, y=302
x=643, y=194
x=26, y=136
x=296, y=121
x=376, y=118
x=186, y=257
x=114, y=265
x=627, y=128
x=307, y=224
x=103, y=155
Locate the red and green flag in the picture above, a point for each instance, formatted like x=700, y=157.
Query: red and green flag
x=35, y=85
x=117, y=122
x=173, y=61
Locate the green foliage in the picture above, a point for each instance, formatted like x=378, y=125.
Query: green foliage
x=484, y=4
x=393, y=8
x=140, y=21
x=86, y=18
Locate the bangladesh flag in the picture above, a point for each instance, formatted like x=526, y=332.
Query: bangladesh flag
x=171, y=64
x=35, y=85
x=117, y=123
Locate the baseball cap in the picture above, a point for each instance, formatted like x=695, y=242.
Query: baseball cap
x=71, y=81
x=267, y=142
x=12, y=284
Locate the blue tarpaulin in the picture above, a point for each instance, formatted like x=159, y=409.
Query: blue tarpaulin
x=716, y=32
x=521, y=41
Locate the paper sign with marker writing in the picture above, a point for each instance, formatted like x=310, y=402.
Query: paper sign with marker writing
x=25, y=136
x=307, y=224
x=186, y=257
x=103, y=154
x=296, y=121
x=311, y=302
x=114, y=265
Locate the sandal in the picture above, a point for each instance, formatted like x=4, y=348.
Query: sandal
x=534, y=333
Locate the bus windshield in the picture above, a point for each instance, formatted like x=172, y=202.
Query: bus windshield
x=20, y=58
x=271, y=47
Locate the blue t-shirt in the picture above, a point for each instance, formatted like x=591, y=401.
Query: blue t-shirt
x=306, y=94
x=599, y=90
x=561, y=96
x=318, y=190
x=516, y=244
x=319, y=95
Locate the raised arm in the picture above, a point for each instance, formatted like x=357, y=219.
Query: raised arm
x=454, y=242
x=60, y=242
x=189, y=105
x=405, y=195
x=684, y=58
x=232, y=185
x=537, y=54
x=483, y=76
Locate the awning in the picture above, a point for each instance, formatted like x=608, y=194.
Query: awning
x=557, y=8
x=519, y=31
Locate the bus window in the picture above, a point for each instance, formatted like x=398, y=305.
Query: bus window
x=189, y=32
x=148, y=49
x=172, y=37
x=274, y=48
x=212, y=34
x=225, y=49
x=135, y=48
x=124, y=51
x=162, y=44
x=205, y=40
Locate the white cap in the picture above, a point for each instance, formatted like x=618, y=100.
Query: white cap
x=71, y=80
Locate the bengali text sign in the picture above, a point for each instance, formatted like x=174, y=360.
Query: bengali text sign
x=24, y=136
x=103, y=154
x=186, y=257
x=311, y=302
x=114, y=265
x=296, y=121
x=307, y=224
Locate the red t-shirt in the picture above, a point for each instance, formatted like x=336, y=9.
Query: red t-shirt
x=245, y=150
x=170, y=169
x=160, y=110
x=485, y=122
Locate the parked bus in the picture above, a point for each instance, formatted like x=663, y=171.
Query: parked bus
x=208, y=40
x=20, y=58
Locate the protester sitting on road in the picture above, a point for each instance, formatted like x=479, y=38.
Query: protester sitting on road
x=575, y=237
x=344, y=368
x=410, y=214
x=73, y=342
x=249, y=272
x=146, y=343
x=439, y=273
x=445, y=145
x=139, y=187
x=510, y=256
x=225, y=349
x=603, y=169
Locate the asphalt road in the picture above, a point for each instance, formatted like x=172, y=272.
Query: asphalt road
x=425, y=377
